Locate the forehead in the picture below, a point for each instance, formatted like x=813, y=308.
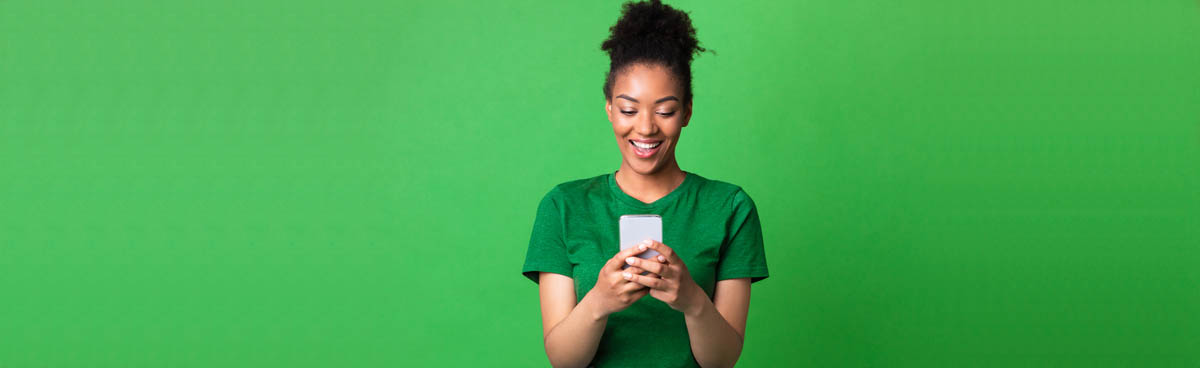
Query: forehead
x=649, y=81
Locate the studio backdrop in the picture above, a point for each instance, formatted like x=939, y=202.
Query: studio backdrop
x=353, y=183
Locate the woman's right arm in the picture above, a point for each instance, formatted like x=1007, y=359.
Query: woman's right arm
x=572, y=331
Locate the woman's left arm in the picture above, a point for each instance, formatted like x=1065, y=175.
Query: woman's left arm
x=716, y=328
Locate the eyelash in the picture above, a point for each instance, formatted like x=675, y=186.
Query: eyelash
x=631, y=113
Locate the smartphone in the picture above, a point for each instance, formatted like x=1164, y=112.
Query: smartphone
x=636, y=228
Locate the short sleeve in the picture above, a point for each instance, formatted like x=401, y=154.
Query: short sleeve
x=547, y=252
x=743, y=255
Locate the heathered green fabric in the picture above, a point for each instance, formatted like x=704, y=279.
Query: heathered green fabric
x=712, y=225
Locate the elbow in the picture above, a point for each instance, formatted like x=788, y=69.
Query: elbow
x=729, y=364
x=737, y=351
x=730, y=360
x=554, y=361
x=562, y=362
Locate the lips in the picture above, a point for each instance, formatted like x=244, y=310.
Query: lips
x=645, y=148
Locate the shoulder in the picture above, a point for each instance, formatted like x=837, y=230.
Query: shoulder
x=576, y=186
x=577, y=189
x=726, y=193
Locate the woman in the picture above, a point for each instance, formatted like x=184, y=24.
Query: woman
x=594, y=313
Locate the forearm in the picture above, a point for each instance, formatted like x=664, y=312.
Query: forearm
x=714, y=341
x=573, y=342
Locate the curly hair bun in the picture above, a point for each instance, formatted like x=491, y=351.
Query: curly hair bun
x=652, y=32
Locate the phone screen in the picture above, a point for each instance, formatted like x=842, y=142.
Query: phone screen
x=636, y=228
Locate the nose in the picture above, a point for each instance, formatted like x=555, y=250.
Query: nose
x=646, y=126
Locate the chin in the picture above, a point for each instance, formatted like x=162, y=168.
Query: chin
x=644, y=168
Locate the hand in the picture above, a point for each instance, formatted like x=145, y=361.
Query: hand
x=669, y=280
x=613, y=292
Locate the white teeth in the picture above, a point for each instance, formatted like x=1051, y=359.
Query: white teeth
x=646, y=145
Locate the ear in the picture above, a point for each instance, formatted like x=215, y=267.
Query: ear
x=608, y=109
x=687, y=114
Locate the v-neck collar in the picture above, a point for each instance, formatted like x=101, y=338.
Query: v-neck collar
x=625, y=198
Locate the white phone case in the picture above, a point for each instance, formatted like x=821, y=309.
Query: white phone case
x=636, y=228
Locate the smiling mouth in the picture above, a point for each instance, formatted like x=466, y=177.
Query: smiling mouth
x=645, y=149
x=645, y=145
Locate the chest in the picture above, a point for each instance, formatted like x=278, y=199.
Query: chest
x=696, y=239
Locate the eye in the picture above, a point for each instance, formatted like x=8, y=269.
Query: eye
x=667, y=114
x=630, y=113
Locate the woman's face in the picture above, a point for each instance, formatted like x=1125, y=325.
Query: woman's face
x=647, y=115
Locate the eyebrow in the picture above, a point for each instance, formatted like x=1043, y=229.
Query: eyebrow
x=661, y=100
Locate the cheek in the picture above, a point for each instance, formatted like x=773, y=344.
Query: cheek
x=621, y=127
x=672, y=129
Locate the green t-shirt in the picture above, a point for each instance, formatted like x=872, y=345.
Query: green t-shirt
x=712, y=225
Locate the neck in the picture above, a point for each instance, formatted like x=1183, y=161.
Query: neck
x=650, y=187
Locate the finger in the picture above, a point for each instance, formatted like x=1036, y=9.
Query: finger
x=649, y=282
x=642, y=272
x=634, y=270
x=649, y=265
x=665, y=251
x=633, y=296
x=640, y=293
x=630, y=287
x=618, y=260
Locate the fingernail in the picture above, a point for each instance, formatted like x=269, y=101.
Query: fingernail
x=629, y=260
x=642, y=247
x=626, y=275
x=646, y=242
x=662, y=259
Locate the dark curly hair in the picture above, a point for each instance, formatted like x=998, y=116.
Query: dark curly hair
x=650, y=32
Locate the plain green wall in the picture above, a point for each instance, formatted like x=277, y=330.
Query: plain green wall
x=240, y=183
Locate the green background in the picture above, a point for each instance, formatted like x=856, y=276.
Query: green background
x=229, y=183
